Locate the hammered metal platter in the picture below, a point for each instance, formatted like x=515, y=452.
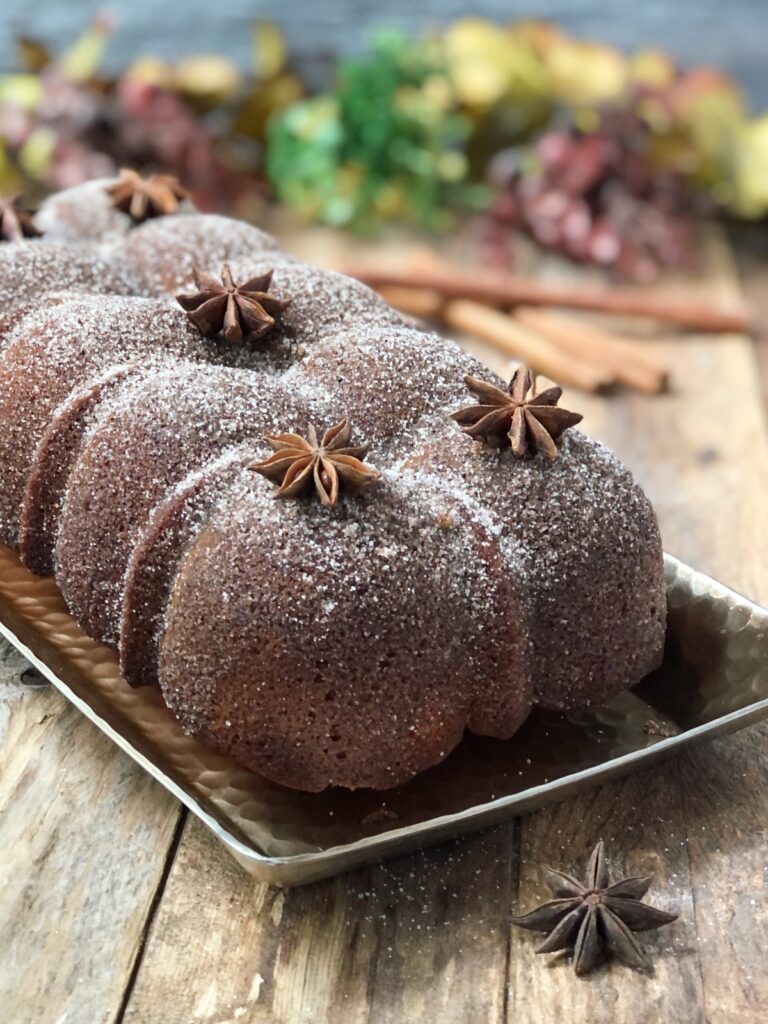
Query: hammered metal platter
x=714, y=679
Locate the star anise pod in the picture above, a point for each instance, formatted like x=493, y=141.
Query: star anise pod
x=594, y=917
x=16, y=224
x=142, y=198
x=300, y=464
x=509, y=418
x=242, y=312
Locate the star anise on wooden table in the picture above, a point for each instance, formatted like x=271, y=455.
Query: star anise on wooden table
x=300, y=465
x=595, y=918
x=510, y=418
x=241, y=312
x=16, y=224
x=143, y=198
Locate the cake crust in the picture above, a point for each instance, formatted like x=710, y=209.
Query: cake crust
x=354, y=661
x=345, y=644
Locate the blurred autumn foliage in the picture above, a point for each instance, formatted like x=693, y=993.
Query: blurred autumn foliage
x=62, y=122
x=605, y=156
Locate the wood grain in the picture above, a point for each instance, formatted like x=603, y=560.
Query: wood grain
x=703, y=459
x=83, y=838
x=361, y=948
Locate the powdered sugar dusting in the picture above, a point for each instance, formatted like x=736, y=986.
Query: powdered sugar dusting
x=55, y=350
x=387, y=379
x=82, y=215
x=31, y=269
x=163, y=253
x=350, y=645
x=168, y=424
x=358, y=720
x=582, y=540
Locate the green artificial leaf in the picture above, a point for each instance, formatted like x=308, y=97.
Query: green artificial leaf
x=388, y=143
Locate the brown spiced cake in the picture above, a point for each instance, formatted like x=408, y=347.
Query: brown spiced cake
x=32, y=270
x=83, y=214
x=54, y=350
x=142, y=446
x=373, y=663
x=104, y=210
x=163, y=253
x=54, y=457
x=390, y=380
x=434, y=561
x=171, y=528
x=580, y=536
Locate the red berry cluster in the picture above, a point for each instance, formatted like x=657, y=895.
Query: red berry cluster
x=595, y=197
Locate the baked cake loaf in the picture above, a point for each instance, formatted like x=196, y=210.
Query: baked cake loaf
x=103, y=211
x=166, y=374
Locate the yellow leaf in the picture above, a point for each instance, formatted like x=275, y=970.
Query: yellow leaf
x=478, y=56
x=653, y=68
x=537, y=33
x=21, y=91
x=36, y=155
x=151, y=71
x=750, y=172
x=709, y=108
x=586, y=73
x=264, y=99
x=207, y=77
x=82, y=60
x=268, y=49
x=10, y=182
x=488, y=65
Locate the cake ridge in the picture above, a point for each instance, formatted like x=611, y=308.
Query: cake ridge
x=170, y=530
x=52, y=462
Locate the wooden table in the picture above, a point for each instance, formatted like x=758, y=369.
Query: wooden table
x=116, y=906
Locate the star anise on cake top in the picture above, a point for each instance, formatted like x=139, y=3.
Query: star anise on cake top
x=510, y=418
x=326, y=466
x=241, y=312
x=595, y=918
x=143, y=198
x=16, y=224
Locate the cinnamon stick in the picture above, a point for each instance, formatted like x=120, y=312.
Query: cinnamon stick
x=630, y=364
x=420, y=302
x=510, y=337
x=498, y=288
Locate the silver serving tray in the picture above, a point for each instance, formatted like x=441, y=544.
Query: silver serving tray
x=714, y=679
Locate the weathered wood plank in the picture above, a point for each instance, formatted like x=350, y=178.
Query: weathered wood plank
x=643, y=816
x=421, y=938
x=750, y=247
x=84, y=835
